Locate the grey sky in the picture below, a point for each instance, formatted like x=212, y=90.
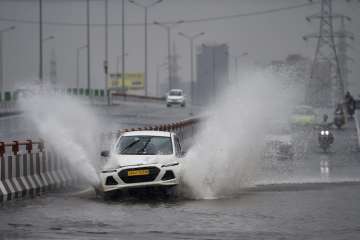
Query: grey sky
x=266, y=37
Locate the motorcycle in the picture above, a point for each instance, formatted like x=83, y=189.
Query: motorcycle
x=325, y=138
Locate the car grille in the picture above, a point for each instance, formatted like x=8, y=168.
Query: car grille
x=153, y=173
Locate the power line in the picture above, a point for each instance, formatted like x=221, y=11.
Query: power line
x=209, y=19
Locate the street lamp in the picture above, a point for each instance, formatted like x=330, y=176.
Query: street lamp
x=1, y=57
x=145, y=7
x=78, y=50
x=191, y=40
x=45, y=40
x=40, y=42
x=168, y=27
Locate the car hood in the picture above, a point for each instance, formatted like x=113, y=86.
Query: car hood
x=116, y=161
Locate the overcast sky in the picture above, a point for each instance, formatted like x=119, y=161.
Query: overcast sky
x=265, y=37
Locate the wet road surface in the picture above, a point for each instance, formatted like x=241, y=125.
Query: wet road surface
x=315, y=196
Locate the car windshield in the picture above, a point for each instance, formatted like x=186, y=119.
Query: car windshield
x=145, y=145
x=175, y=93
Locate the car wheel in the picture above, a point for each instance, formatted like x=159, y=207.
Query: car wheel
x=168, y=105
x=183, y=105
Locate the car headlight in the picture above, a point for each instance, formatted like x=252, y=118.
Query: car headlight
x=326, y=132
x=322, y=132
x=170, y=164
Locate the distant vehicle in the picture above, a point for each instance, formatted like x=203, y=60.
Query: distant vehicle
x=279, y=147
x=142, y=159
x=303, y=116
x=175, y=96
x=325, y=138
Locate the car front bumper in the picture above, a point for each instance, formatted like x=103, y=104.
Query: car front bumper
x=159, y=176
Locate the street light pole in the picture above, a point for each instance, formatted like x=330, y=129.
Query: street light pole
x=1, y=56
x=88, y=45
x=40, y=43
x=145, y=7
x=106, y=62
x=123, y=46
x=168, y=28
x=191, y=40
x=45, y=40
x=78, y=65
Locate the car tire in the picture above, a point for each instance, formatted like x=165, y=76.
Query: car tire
x=183, y=105
x=168, y=105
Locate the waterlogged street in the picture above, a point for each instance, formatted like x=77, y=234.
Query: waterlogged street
x=169, y=119
x=314, y=196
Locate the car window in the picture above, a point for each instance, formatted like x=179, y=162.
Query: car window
x=175, y=93
x=144, y=145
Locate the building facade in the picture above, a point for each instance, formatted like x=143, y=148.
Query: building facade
x=212, y=75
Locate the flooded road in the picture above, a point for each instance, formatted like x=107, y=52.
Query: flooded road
x=314, y=196
x=321, y=212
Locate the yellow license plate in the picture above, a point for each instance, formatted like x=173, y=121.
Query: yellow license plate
x=138, y=173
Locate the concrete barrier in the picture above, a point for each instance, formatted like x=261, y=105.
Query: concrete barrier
x=26, y=173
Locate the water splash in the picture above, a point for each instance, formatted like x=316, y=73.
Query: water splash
x=228, y=148
x=68, y=126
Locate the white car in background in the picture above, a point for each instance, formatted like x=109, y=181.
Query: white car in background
x=175, y=96
x=142, y=159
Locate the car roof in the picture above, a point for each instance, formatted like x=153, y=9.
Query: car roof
x=176, y=90
x=147, y=133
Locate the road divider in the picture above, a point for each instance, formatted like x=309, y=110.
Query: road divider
x=27, y=170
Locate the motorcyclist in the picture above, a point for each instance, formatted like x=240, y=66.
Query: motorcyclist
x=350, y=104
x=339, y=116
x=326, y=126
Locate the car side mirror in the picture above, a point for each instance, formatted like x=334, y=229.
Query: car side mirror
x=105, y=153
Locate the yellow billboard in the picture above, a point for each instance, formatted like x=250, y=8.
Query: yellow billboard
x=132, y=81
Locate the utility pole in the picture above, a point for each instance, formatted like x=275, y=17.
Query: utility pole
x=123, y=46
x=88, y=45
x=106, y=61
x=78, y=50
x=191, y=39
x=326, y=52
x=40, y=42
x=53, y=72
x=145, y=7
x=168, y=27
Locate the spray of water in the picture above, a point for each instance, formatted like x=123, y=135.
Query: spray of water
x=68, y=126
x=228, y=148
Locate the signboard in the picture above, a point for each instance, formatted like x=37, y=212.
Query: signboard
x=133, y=81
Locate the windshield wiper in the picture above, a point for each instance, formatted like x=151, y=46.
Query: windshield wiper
x=143, y=148
x=129, y=146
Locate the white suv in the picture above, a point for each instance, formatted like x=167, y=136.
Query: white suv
x=175, y=96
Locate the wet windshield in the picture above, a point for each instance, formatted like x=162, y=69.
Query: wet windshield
x=175, y=93
x=145, y=145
